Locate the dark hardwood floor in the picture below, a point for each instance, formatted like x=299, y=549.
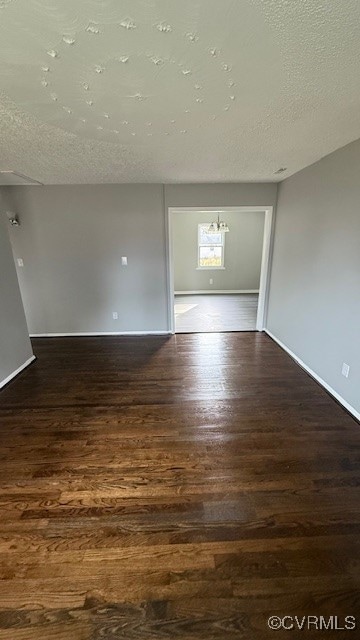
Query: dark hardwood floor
x=189, y=487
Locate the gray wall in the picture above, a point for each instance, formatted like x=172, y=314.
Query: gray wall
x=315, y=285
x=221, y=195
x=15, y=347
x=72, y=239
x=243, y=250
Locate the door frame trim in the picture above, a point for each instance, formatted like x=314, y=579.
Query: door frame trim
x=265, y=259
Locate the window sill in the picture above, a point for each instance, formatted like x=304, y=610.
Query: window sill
x=210, y=268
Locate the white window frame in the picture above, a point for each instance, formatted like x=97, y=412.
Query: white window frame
x=203, y=244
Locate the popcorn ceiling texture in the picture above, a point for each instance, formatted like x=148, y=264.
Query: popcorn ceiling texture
x=168, y=91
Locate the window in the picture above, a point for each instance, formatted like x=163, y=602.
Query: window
x=210, y=248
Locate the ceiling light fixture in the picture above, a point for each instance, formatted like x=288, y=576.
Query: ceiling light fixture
x=218, y=227
x=13, y=219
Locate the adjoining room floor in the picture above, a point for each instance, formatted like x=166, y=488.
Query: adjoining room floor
x=185, y=487
x=215, y=312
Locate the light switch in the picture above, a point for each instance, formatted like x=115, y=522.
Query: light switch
x=20, y=262
x=124, y=261
x=345, y=370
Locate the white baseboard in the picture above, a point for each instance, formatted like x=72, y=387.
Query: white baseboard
x=100, y=333
x=212, y=291
x=314, y=375
x=15, y=373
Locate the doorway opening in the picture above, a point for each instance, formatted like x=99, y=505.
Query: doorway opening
x=218, y=280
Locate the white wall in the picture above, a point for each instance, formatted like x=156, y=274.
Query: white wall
x=243, y=251
x=314, y=306
x=72, y=238
x=15, y=347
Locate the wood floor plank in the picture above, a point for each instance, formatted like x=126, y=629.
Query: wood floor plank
x=185, y=487
x=220, y=312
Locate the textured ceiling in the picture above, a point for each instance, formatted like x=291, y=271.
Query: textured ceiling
x=175, y=90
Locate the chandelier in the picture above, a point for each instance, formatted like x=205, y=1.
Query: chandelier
x=218, y=227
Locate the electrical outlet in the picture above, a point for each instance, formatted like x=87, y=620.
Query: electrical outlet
x=124, y=261
x=20, y=262
x=211, y=281
x=115, y=315
x=345, y=370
